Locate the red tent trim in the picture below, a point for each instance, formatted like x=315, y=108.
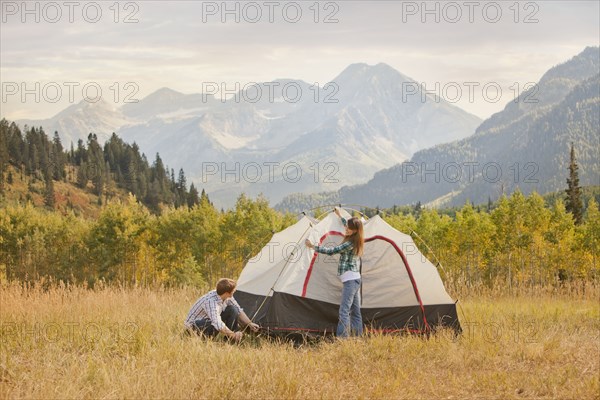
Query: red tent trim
x=404, y=260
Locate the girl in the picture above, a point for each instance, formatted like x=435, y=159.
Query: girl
x=350, y=249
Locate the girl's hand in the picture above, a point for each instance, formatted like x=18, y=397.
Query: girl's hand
x=308, y=244
x=337, y=212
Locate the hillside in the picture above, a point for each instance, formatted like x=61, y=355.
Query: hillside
x=21, y=188
x=525, y=146
x=38, y=169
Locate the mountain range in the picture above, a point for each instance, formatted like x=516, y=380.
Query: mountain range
x=293, y=137
x=525, y=146
x=361, y=126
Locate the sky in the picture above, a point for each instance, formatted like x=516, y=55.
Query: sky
x=52, y=54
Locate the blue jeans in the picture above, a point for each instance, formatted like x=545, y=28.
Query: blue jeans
x=350, y=319
x=229, y=316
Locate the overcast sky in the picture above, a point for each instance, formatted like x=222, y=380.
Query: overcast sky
x=181, y=44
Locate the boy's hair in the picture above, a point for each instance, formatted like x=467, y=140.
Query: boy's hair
x=225, y=285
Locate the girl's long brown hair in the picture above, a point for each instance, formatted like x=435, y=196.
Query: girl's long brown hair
x=357, y=238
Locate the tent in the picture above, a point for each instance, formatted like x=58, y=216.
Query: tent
x=288, y=288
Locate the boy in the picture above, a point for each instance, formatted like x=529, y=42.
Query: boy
x=217, y=311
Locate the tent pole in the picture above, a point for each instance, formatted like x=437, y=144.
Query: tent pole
x=347, y=206
x=279, y=276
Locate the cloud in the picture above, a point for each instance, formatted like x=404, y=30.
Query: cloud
x=171, y=46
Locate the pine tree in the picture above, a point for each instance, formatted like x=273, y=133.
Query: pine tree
x=71, y=157
x=152, y=199
x=574, y=205
x=98, y=182
x=49, y=192
x=193, y=197
x=16, y=144
x=80, y=154
x=82, y=178
x=58, y=158
x=418, y=208
x=161, y=177
x=204, y=198
x=33, y=162
x=181, y=189
x=181, y=181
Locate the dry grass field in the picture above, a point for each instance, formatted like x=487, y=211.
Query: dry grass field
x=127, y=343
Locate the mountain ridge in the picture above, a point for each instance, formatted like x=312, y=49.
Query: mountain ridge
x=362, y=108
x=533, y=141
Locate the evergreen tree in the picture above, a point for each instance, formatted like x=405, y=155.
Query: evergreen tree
x=131, y=176
x=180, y=189
x=49, y=192
x=82, y=178
x=95, y=164
x=181, y=181
x=152, y=199
x=33, y=154
x=160, y=176
x=34, y=160
x=57, y=158
x=574, y=205
x=204, y=198
x=71, y=157
x=193, y=197
x=43, y=146
x=418, y=208
x=16, y=146
x=80, y=154
x=98, y=182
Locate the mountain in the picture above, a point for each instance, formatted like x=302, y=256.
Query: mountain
x=79, y=120
x=299, y=137
x=524, y=146
x=282, y=136
x=166, y=104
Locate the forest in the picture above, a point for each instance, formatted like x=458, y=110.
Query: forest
x=162, y=234
x=115, y=165
x=521, y=242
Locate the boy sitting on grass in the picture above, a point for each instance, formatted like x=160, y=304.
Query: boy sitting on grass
x=217, y=311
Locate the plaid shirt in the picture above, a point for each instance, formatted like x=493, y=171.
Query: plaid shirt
x=348, y=260
x=210, y=306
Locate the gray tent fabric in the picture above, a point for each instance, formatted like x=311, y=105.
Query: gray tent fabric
x=287, y=287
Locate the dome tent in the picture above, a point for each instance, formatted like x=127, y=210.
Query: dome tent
x=287, y=287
